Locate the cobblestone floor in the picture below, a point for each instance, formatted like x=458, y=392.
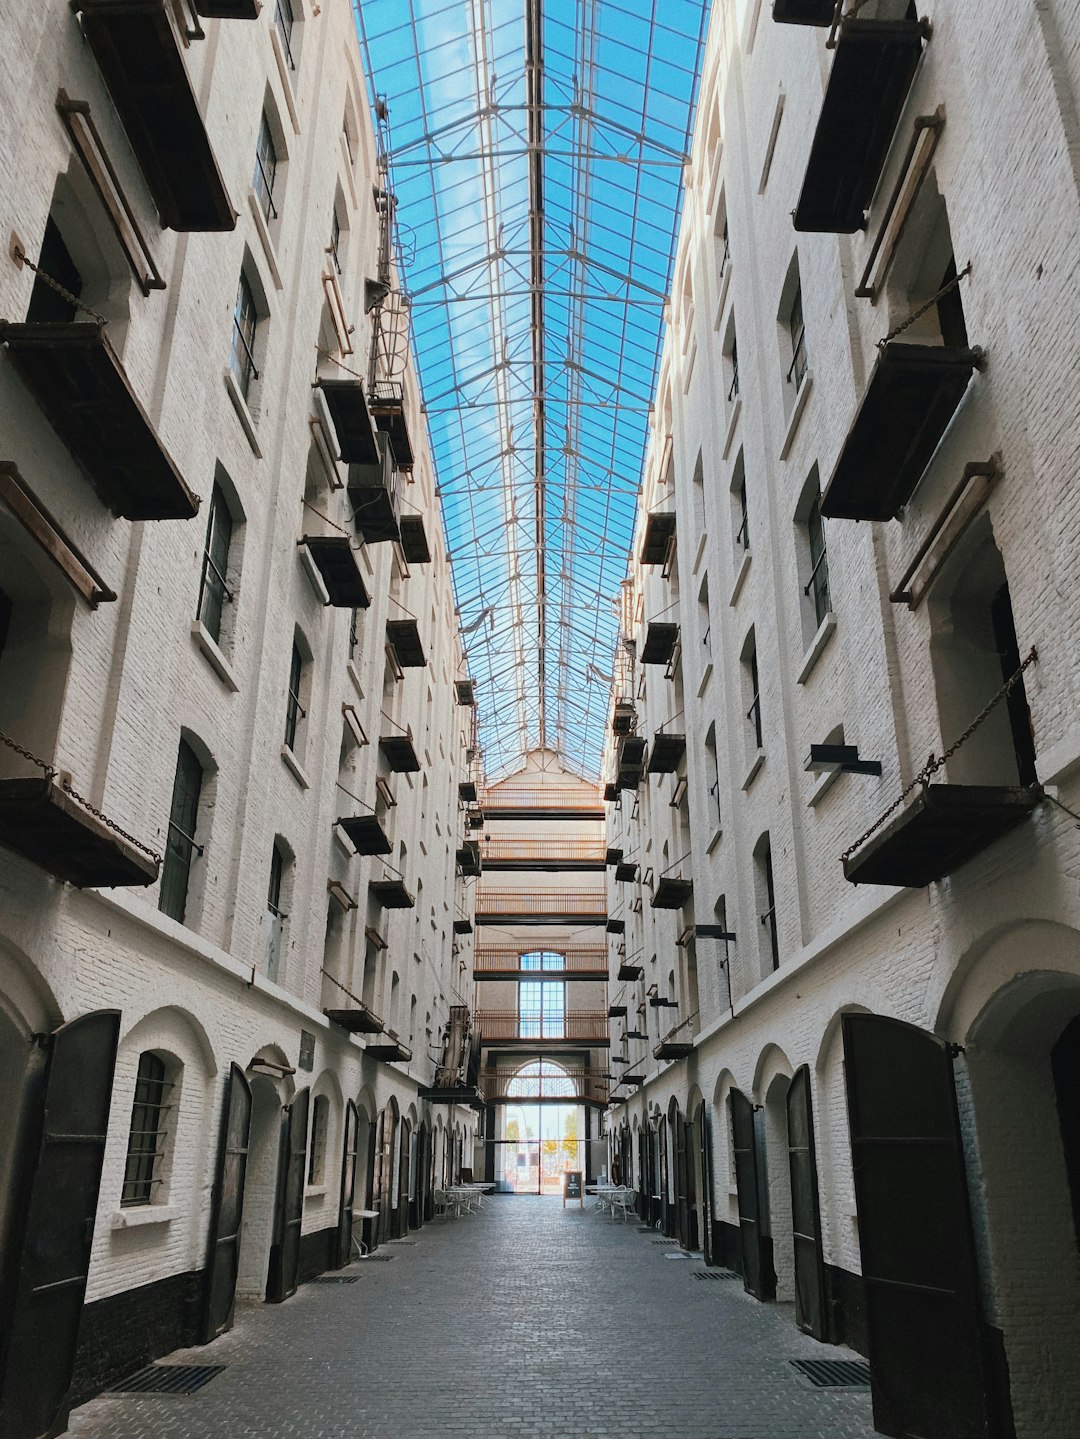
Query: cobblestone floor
x=526, y=1321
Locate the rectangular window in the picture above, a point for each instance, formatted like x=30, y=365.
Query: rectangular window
x=541, y=1009
x=284, y=21
x=180, y=846
x=733, y=370
x=266, y=164
x=294, y=710
x=335, y=240
x=768, y=919
x=213, y=588
x=797, y=332
x=275, y=917
x=817, y=587
x=317, y=1148
x=245, y=324
x=753, y=714
x=146, y=1138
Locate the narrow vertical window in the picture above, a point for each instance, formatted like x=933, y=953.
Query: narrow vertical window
x=294, y=710
x=797, y=335
x=275, y=915
x=180, y=846
x=753, y=713
x=245, y=324
x=335, y=240
x=266, y=165
x=733, y=370
x=817, y=586
x=284, y=23
x=214, y=591
x=768, y=916
x=320, y=1123
x=712, y=774
x=148, y=1132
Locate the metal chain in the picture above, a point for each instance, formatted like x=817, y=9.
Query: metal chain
x=22, y=258
x=899, y=330
x=50, y=774
x=933, y=764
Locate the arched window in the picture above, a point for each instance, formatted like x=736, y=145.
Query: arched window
x=541, y=1079
x=543, y=959
x=149, y=1131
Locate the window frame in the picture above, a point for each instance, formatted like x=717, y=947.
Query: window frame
x=267, y=164
x=795, y=325
x=147, y=1110
x=294, y=710
x=245, y=330
x=181, y=846
x=213, y=581
x=285, y=24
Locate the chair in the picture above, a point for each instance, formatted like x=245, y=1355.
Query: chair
x=441, y=1201
x=624, y=1201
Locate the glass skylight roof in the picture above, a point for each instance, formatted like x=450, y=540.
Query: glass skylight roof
x=536, y=153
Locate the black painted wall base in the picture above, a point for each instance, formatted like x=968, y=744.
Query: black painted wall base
x=124, y=1332
x=317, y=1253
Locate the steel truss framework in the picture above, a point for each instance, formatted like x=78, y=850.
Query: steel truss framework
x=537, y=154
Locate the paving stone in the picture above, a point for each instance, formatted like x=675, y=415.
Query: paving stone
x=525, y=1321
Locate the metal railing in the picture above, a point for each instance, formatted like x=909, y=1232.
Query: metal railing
x=576, y=959
x=549, y=847
x=541, y=901
x=544, y=797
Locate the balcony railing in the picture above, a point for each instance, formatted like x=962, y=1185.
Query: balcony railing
x=577, y=961
x=547, y=798
x=539, y=905
x=507, y=1084
x=557, y=851
x=582, y=1026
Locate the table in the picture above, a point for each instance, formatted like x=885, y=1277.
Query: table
x=359, y=1215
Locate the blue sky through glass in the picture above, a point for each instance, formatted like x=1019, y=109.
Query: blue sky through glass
x=536, y=150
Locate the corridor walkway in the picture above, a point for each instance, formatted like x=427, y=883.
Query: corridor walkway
x=526, y=1321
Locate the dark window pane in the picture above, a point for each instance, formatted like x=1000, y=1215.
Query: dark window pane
x=180, y=844
x=47, y=307
x=265, y=170
x=147, y=1135
x=294, y=710
x=245, y=323
x=213, y=589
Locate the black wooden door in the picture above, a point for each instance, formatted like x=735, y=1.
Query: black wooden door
x=706, y=1186
x=665, y=1203
x=228, y=1206
x=691, y=1188
x=918, y=1256
x=805, y=1211
x=284, y=1270
x=348, y=1184
x=682, y=1206
x=371, y=1202
x=386, y=1183
x=42, y=1328
x=758, y=1276
x=401, y=1214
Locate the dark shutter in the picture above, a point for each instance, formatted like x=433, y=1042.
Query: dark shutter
x=43, y=1325
x=692, y=1239
x=228, y=1206
x=665, y=1207
x=682, y=1209
x=284, y=1268
x=805, y=1212
x=758, y=1276
x=348, y=1183
x=918, y=1256
x=706, y=1185
x=401, y=1214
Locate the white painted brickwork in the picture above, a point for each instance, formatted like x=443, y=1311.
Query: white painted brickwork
x=136, y=677
x=949, y=956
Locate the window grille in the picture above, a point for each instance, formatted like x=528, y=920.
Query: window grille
x=213, y=586
x=180, y=846
x=797, y=333
x=294, y=710
x=817, y=586
x=146, y=1138
x=245, y=324
x=284, y=22
x=266, y=166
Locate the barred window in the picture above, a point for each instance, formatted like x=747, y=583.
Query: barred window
x=149, y=1131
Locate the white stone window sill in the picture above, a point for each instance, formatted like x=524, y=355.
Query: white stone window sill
x=705, y=678
x=141, y=1215
x=822, y=785
x=295, y=768
x=265, y=238
x=736, y=411
x=207, y=646
x=243, y=414
x=755, y=766
x=311, y=569
x=740, y=577
x=796, y=414
x=718, y=835
x=816, y=647
x=287, y=83
x=315, y=1191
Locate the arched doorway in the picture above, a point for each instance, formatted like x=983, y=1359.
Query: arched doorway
x=776, y=1216
x=543, y=1131
x=387, y=1170
x=260, y=1188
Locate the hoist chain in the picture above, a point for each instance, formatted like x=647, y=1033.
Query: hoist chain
x=934, y=763
x=22, y=258
x=921, y=311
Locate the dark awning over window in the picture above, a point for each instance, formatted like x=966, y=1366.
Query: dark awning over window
x=81, y=386
x=400, y=753
x=913, y=393
x=39, y=821
x=944, y=827
x=138, y=52
x=335, y=560
x=414, y=540
x=352, y=421
x=672, y=892
x=659, y=531
x=228, y=9
x=17, y=496
x=666, y=752
x=357, y=1019
x=872, y=70
x=673, y=1049
x=659, y=643
x=391, y=894
x=366, y=833
x=404, y=635
x=804, y=12
x=390, y=1051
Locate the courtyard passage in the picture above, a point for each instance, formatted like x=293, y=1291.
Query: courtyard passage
x=523, y=1320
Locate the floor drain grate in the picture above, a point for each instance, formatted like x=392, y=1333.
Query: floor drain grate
x=168, y=1379
x=385, y=1258
x=715, y=1274
x=668, y=1243
x=337, y=1279
x=834, y=1373
x=402, y=1241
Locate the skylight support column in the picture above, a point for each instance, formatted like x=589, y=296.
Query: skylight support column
x=534, y=91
